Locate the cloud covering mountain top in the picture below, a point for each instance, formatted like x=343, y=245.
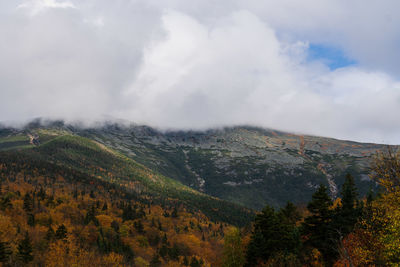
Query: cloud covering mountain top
x=200, y=64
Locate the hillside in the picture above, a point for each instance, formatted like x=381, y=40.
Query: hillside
x=244, y=165
x=47, y=150
x=55, y=215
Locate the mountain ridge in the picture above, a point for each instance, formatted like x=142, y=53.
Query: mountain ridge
x=246, y=165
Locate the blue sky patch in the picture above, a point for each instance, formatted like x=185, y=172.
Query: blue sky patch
x=331, y=56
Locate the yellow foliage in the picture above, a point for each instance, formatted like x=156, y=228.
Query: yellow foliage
x=140, y=262
x=105, y=220
x=113, y=259
x=7, y=229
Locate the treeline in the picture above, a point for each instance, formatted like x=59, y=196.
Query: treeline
x=347, y=231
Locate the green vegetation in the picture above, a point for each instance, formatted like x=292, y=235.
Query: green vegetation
x=81, y=155
x=284, y=237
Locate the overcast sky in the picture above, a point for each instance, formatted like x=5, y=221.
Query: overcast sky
x=329, y=68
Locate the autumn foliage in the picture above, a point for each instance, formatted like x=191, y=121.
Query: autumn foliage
x=59, y=220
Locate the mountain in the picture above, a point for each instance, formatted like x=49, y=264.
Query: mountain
x=45, y=150
x=69, y=201
x=248, y=166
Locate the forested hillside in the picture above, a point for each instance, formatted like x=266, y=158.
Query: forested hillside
x=249, y=166
x=67, y=200
x=342, y=232
x=245, y=165
x=59, y=216
x=61, y=150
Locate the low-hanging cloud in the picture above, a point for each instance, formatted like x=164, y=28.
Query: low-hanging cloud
x=172, y=64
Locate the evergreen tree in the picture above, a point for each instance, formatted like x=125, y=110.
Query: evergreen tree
x=195, y=262
x=25, y=250
x=273, y=232
x=290, y=213
x=91, y=216
x=139, y=227
x=163, y=251
x=160, y=225
x=115, y=226
x=75, y=194
x=174, y=252
x=348, y=213
x=185, y=261
x=41, y=194
x=155, y=261
x=5, y=251
x=28, y=203
x=174, y=213
x=61, y=232
x=165, y=239
x=318, y=226
x=255, y=251
x=31, y=219
x=5, y=203
x=50, y=234
x=128, y=213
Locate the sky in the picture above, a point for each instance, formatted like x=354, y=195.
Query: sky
x=329, y=68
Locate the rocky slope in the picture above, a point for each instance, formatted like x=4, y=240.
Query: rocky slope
x=244, y=165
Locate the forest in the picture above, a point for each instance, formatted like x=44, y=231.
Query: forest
x=348, y=231
x=55, y=215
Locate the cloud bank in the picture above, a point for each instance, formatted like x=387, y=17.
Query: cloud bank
x=201, y=64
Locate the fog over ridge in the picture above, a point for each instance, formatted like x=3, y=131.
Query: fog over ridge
x=200, y=65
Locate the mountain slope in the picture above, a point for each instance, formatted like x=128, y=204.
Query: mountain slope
x=245, y=165
x=62, y=216
x=59, y=149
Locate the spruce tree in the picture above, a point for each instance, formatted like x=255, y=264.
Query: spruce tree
x=174, y=213
x=61, y=232
x=91, y=216
x=318, y=226
x=185, y=261
x=195, y=262
x=28, y=203
x=31, y=219
x=255, y=250
x=5, y=203
x=50, y=234
x=25, y=250
x=274, y=232
x=155, y=261
x=115, y=226
x=5, y=251
x=290, y=213
x=347, y=214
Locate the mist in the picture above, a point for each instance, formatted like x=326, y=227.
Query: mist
x=200, y=65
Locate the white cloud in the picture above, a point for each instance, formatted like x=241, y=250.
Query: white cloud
x=175, y=64
x=36, y=6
